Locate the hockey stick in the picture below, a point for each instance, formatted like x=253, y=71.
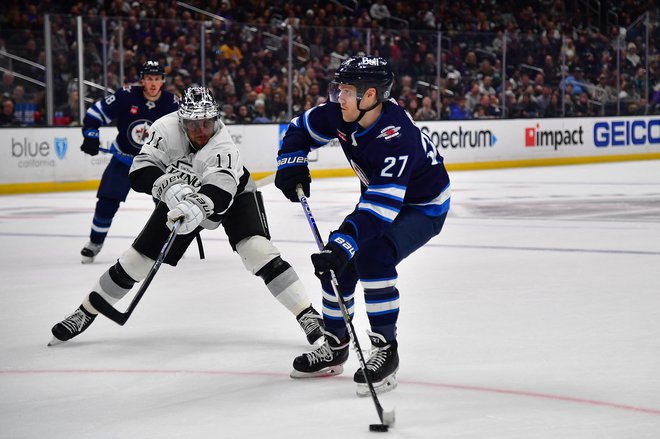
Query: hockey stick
x=113, y=313
x=119, y=317
x=386, y=418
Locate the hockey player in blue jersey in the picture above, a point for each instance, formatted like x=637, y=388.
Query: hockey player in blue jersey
x=403, y=204
x=134, y=108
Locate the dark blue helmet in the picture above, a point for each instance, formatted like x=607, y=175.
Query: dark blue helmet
x=366, y=72
x=152, y=68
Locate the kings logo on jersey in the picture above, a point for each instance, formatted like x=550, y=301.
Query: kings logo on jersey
x=137, y=132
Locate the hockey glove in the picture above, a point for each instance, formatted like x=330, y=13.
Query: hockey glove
x=91, y=142
x=292, y=170
x=194, y=208
x=170, y=189
x=335, y=256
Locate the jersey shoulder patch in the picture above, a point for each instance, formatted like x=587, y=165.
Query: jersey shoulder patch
x=389, y=132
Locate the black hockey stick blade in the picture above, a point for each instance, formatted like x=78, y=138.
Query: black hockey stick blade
x=108, y=310
x=113, y=313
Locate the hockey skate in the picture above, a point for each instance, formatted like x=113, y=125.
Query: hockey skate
x=71, y=326
x=326, y=360
x=382, y=366
x=89, y=252
x=311, y=323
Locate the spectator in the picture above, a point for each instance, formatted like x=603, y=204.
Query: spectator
x=228, y=115
x=528, y=107
x=7, y=85
x=426, y=112
x=7, y=117
x=453, y=83
x=473, y=97
x=582, y=105
x=260, y=112
x=243, y=116
x=543, y=101
x=458, y=110
x=486, y=86
x=70, y=113
x=554, y=108
x=494, y=110
x=632, y=58
x=479, y=111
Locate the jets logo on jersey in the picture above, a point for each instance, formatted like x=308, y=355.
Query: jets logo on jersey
x=389, y=132
x=137, y=132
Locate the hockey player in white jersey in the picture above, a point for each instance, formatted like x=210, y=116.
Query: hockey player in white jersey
x=190, y=163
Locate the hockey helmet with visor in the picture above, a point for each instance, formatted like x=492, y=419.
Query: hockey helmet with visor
x=363, y=72
x=198, y=115
x=152, y=68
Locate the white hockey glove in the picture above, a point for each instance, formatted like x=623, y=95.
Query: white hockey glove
x=171, y=189
x=194, y=208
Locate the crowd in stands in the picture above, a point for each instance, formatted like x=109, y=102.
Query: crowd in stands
x=558, y=62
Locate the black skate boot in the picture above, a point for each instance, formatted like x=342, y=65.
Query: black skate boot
x=381, y=366
x=71, y=326
x=326, y=360
x=311, y=323
x=89, y=252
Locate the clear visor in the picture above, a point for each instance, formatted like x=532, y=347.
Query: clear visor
x=344, y=91
x=192, y=125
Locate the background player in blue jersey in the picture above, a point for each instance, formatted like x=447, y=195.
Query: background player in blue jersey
x=134, y=108
x=403, y=204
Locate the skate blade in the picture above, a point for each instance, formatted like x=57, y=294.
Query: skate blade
x=388, y=384
x=55, y=341
x=326, y=372
x=87, y=260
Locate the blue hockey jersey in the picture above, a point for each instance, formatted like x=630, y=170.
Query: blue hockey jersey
x=134, y=115
x=397, y=164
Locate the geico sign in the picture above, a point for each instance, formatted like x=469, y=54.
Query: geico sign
x=627, y=132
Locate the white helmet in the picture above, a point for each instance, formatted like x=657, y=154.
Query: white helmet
x=197, y=103
x=198, y=108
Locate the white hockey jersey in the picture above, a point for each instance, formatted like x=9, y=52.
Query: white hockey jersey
x=218, y=163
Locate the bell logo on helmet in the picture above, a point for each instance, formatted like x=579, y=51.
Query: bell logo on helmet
x=368, y=61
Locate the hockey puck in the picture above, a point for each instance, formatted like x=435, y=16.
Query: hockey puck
x=378, y=427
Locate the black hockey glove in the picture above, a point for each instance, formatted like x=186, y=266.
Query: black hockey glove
x=292, y=170
x=91, y=143
x=335, y=256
